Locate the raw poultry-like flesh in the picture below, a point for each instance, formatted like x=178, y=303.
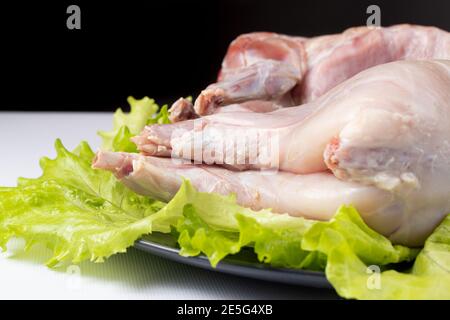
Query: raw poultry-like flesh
x=379, y=141
x=300, y=195
x=292, y=70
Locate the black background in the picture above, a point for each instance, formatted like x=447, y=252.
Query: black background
x=163, y=49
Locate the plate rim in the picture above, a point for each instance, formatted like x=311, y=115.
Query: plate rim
x=260, y=271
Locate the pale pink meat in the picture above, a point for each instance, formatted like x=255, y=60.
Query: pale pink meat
x=294, y=70
x=379, y=141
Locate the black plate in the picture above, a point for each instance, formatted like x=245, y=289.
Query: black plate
x=242, y=264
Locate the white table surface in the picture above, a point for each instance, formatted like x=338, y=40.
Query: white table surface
x=24, y=138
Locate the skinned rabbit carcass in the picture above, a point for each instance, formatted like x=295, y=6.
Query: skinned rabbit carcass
x=379, y=141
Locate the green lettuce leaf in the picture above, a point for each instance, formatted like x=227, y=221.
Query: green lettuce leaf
x=78, y=212
x=372, y=247
x=162, y=117
x=126, y=125
x=121, y=141
x=361, y=263
x=350, y=253
x=217, y=226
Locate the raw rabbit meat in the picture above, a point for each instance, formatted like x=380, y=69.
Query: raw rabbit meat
x=293, y=70
x=380, y=141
